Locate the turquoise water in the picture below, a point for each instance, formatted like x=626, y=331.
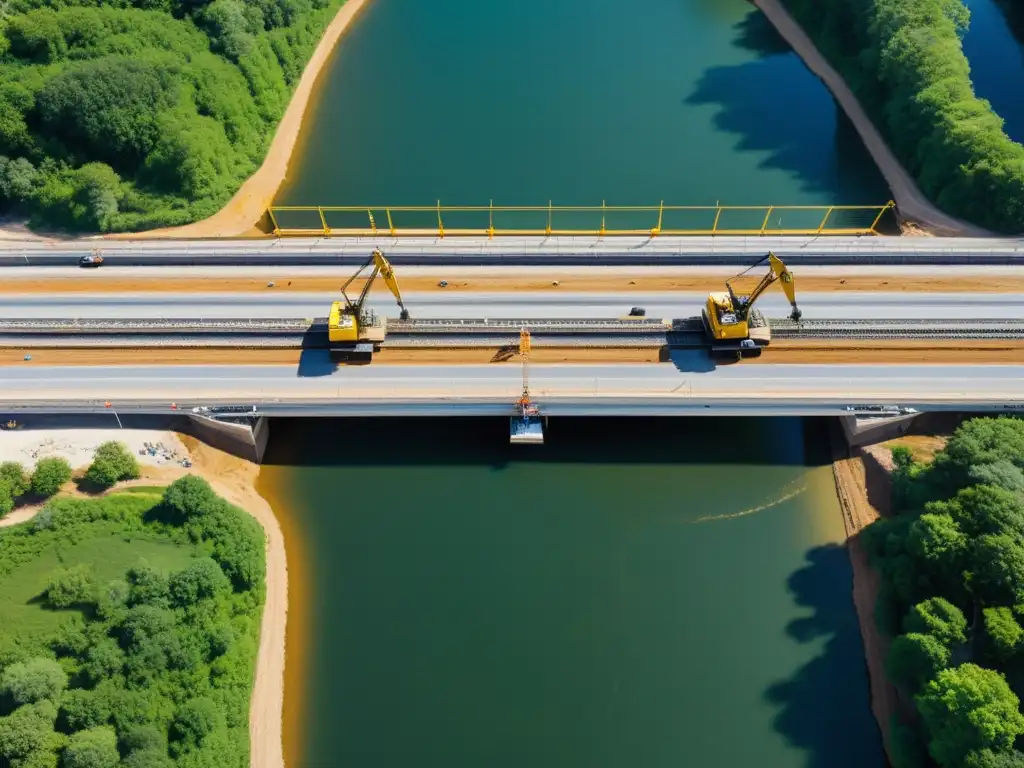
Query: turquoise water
x=994, y=47
x=693, y=102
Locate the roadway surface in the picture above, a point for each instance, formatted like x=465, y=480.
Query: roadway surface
x=511, y=250
x=547, y=304
x=690, y=383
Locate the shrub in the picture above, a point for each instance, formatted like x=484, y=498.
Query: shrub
x=34, y=680
x=69, y=586
x=111, y=463
x=49, y=475
x=14, y=475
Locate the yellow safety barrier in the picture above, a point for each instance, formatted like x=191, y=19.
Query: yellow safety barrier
x=611, y=220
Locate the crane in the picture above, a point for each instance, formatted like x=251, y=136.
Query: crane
x=353, y=330
x=730, y=320
x=526, y=428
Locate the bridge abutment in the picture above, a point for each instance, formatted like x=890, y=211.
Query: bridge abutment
x=246, y=439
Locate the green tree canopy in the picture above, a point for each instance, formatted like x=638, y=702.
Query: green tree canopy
x=1003, y=632
x=112, y=462
x=28, y=731
x=939, y=618
x=996, y=565
x=92, y=748
x=982, y=509
x=914, y=659
x=69, y=586
x=968, y=709
x=194, y=721
x=202, y=580
x=938, y=544
x=14, y=475
x=34, y=680
x=49, y=475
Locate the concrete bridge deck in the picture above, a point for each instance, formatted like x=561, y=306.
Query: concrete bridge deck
x=720, y=250
x=688, y=385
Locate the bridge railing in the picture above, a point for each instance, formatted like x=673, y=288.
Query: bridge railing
x=595, y=220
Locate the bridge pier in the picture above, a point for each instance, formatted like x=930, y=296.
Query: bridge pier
x=246, y=438
x=866, y=430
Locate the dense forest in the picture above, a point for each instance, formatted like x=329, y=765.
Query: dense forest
x=150, y=669
x=905, y=62
x=952, y=566
x=132, y=114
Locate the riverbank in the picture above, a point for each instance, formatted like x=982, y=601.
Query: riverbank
x=249, y=204
x=864, y=485
x=910, y=201
x=235, y=480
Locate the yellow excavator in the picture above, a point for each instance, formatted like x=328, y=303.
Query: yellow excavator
x=355, y=332
x=733, y=325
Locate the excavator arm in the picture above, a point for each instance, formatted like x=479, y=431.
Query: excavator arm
x=777, y=272
x=381, y=266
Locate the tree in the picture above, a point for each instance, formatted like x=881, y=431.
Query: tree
x=70, y=586
x=986, y=758
x=982, y=509
x=194, y=721
x=940, y=619
x=939, y=545
x=996, y=573
x=986, y=441
x=103, y=660
x=147, y=758
x=967, y=709
x=203, y=579
x=1003, y=632
x=49, y=475
x=905, y=747
x=190, y=497
x=112, y=462
x=1001, y=474
x=6, y=498
x=147, y=586
x=93, y=748
x=28, y=730
x=14, y=475
x=914, y=659
x=34, y=680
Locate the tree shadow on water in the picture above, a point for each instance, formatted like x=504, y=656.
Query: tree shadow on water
x=779, y=109
x=824, y=706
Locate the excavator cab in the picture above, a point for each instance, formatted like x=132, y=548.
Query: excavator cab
x=354, y=331
x=732, y=324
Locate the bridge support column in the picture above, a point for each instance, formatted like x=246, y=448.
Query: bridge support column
x=245, y=439
x=860, y=430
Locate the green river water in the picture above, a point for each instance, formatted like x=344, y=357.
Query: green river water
x=461, y=603
x=692, y=102
x=666, y=592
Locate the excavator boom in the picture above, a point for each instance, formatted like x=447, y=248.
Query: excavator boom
x=730, y=320
x=352, y=329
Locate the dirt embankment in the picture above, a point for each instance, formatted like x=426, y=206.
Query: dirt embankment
x=910, y=201
x=864, y=483
x=864, y=487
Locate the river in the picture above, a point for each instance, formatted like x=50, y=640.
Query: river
x=994, y=46
x=655, y=592
x=693, y=102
